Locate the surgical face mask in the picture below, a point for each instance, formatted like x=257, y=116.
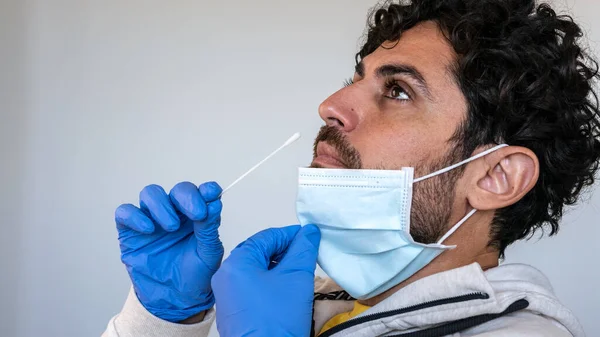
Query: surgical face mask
x=364, y=217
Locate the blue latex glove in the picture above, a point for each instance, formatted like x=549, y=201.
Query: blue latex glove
x=258, y=298
x=171, y=248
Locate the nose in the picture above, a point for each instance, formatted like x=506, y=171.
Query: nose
x=340, y=111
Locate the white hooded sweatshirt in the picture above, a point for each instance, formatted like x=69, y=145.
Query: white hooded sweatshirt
x=511, y=300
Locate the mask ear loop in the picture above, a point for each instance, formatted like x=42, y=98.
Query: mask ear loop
x=450, y=168
x=455, y=227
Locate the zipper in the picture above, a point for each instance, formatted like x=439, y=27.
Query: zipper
x=420, y=306
x=450, y=328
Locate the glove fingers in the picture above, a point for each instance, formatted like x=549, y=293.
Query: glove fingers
x=155, y=201
x=210, y=191
x=127, y=216
x=260, y=249
x=303, y=251
x=209, y=246
x=186, y=198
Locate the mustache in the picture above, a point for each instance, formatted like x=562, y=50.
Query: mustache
x=346, y=152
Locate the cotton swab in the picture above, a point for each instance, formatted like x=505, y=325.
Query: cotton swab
x=292, y=139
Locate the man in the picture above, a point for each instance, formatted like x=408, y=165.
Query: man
x=437, y=82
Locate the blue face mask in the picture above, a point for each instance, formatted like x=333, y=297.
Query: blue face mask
x=364, y=217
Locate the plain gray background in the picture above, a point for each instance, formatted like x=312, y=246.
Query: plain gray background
x=100, y=98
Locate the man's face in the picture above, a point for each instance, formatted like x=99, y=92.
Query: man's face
x=402, y=109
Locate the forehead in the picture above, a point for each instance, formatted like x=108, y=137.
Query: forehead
x=423, y=47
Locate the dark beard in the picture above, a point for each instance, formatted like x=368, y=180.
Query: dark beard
x=334, y=137
x=433, y=199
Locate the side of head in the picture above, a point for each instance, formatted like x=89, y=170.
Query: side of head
x=440, y=80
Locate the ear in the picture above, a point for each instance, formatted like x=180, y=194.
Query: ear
x=503, y=177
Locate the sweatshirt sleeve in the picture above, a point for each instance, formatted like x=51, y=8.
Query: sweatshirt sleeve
x=135, y=321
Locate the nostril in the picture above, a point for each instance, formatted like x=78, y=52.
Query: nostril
x=334, y=122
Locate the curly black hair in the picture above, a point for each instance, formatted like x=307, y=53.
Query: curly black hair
x=528, y=82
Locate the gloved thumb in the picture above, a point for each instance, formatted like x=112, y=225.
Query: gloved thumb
x=303, y=251
x=261, y=248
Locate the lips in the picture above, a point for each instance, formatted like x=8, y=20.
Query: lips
x=327, y=157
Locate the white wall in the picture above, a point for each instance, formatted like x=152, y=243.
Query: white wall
x=104, y=97
x=13, y=136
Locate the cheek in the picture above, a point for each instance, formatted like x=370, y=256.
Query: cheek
x=390, y=148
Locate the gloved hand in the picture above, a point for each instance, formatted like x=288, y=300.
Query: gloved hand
x=256, y=297
x=171, y=248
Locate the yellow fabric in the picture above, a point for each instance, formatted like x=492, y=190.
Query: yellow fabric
x=346, y=316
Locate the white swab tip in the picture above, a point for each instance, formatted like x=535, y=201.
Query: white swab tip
x=292, y=139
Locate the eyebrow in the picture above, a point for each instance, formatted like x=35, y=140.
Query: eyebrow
x=395, y=69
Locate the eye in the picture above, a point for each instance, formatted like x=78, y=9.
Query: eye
x=348, y=82
x=396, y=91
